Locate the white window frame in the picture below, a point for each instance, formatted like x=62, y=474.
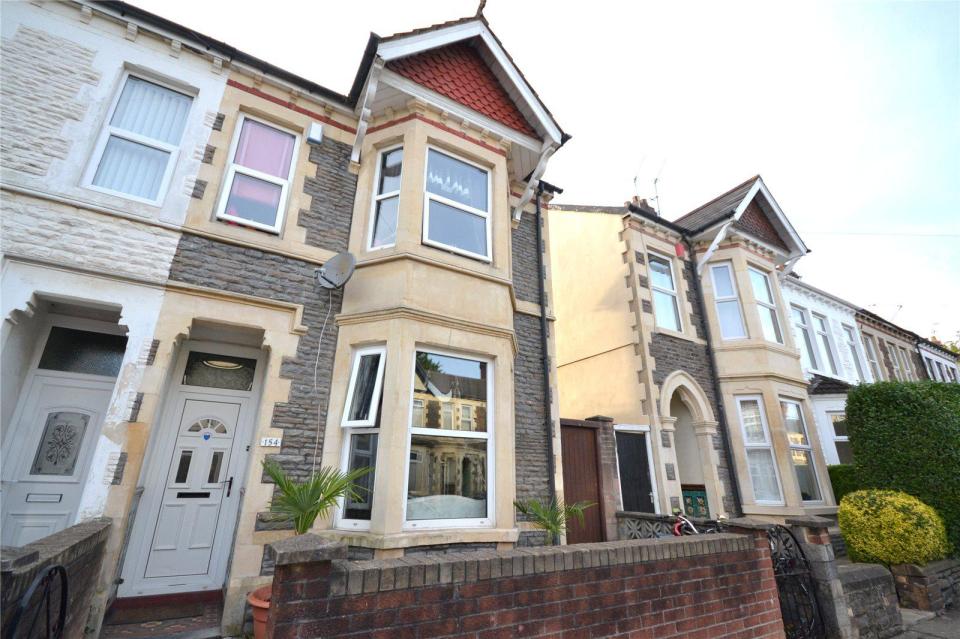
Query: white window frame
x=735, y=298
x=766, y=445
x=808, y=447
x=837, y=438
x=772, y=307
x=108, y=130
x=488, y=436
x=873, y=358
x=377, y=197
x=675, y=293
x=859, y=365
x=895, y=361
x=359, y=427
x=428, y=196
x=805, y=330
x=824, y=340
x=929, y=365
x=644, y=430
x=907, y=365
x=233, y=168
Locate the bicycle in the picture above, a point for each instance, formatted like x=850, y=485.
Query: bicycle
x=683, y=526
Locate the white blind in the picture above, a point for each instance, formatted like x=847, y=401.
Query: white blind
x=151, y=110
x=128, y=167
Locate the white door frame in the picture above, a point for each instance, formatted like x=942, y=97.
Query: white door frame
x=153, y=477
x=638, y=429
x=12, y=464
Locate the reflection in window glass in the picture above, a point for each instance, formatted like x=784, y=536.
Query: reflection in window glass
x=760, y=460
x=801, y=454
x=766, y=306
x=363, y=454
x=448, y=480
x=214, y=475
x=361, y=403
x=183, y=467
x=458, y=213
x=752, y=422
x=793, y=423
x=808, y=357
x=387, y=199
x=75, y=351
x=727, y=303
x=219, y=371
x=444, y=384
x=460, y=229
x=763, y=475
x=665, y=308
x=456, y=180
x=806, y=475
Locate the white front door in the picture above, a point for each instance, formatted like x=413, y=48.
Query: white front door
x=48, y=453
x=183, y=532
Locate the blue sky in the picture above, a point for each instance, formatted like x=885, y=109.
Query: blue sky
x=850, y=111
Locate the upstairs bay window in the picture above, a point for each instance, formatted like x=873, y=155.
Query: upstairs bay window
x=759, y=448
x=386, y=201
x=823, y=336
x=729, y=315
x=138, y=148
x=808, y=357
x=258, y=177
x=850, y=335
x=361, y=422
x=450, y=460
x=870, y=348
x=665, y=307
x=766, y=306
x=456, y=211
x=801, y=454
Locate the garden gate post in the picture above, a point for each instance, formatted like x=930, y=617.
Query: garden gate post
x=814, y=540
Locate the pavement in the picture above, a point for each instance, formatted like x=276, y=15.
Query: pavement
x=926, y=625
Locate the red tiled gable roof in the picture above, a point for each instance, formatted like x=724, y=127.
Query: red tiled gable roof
x=754, y=221
x=458, y=72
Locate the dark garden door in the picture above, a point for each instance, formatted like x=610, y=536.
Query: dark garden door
x=581, y=481
x=633, y=458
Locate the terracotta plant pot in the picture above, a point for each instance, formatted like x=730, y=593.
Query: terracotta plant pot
x=259, y=600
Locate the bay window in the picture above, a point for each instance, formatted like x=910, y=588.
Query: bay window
x=766, y=306
x=808, y=356
x=386, y=200
x=823, y=335
x=361, y=422
x=727, y=302
x=760, y=460
x=138, y=147
x=258, y=176
x=801, y=454
x=873, y=360
x=850, y=334
x=449, y=476
x=665, y=305
x=456, y=210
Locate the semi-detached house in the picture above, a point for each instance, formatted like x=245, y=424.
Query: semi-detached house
x=168, y=201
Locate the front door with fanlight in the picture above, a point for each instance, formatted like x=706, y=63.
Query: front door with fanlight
x=184, y=527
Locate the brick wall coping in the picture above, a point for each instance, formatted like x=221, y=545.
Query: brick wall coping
x=859, y=573
x=378, y=575
x=809, y=521
x=933, y=568
x=64, y=546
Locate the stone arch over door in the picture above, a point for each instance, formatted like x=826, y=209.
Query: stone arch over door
x=686, y=413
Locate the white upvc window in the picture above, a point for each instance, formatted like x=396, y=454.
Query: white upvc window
x=850, y=335
x=666, y=308
x=906, y=364
x=929, y=364
x=729, y=314
x=256, y=186
x=456, y=205
x=138, y=147
x=841, y=437
x=870, y=347
x=801, y=454
x=804, y=338
x=767, y=307
x=764, y=476
x=895, y=362
x=386, y=199
x=822, y=328
x=361, y=433
x=450, y=475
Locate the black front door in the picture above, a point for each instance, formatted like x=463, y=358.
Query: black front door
x=635, y=486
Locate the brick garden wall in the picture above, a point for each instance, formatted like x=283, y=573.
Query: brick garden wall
x=707, y=587
x=79, y=549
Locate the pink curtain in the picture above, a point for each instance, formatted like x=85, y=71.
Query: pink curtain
x=265, y=149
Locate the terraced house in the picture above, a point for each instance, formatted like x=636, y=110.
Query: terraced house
x=168, y=201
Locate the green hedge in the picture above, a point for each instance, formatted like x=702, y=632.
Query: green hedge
x=906, y=436
x=843, y=478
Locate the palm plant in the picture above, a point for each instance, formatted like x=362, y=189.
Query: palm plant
x=303, y=502
x=552, y=517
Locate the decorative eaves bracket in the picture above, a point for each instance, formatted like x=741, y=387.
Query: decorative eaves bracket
x=364, y=112
x=546, y=151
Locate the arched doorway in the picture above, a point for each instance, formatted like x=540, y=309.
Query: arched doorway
x=689, y=467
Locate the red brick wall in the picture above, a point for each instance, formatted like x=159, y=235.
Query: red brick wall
x=695, y=587
x=755, y=221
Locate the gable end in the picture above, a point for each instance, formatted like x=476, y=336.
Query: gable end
x=755, y=222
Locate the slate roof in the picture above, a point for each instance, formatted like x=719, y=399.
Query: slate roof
x=823, y=385
x=458, y=72
x=717, y=208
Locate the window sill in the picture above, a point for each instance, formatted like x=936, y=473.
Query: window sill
x=408, y=539
x=679, y=335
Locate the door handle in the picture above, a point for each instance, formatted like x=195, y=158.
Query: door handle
x=229, y=484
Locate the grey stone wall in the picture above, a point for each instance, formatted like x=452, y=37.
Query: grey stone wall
x=523, y=247
x=872, y=600
x=673, y=353
x=531, y=427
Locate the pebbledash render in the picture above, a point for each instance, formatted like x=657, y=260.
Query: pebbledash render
x=676, y=334
x=164, y=223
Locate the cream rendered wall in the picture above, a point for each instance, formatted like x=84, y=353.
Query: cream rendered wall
x=597, y=359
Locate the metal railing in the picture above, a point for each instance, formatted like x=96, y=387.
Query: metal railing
x=43, y=580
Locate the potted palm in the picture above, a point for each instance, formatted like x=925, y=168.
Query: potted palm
x=552, y=517
x=301, y=503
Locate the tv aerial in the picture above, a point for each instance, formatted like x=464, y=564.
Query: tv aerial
x=336, y=271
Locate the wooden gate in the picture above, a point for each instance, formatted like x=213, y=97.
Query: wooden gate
x=581, y=481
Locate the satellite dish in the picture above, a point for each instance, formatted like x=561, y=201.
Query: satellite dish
x=336, y=271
